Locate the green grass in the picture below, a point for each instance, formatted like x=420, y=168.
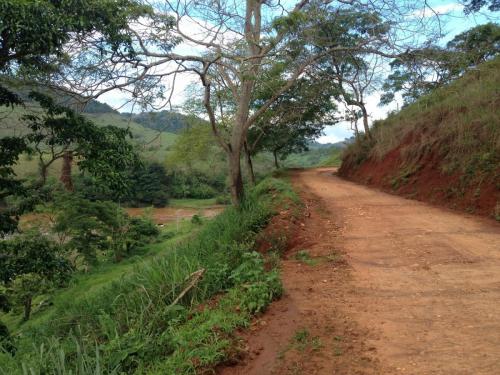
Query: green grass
x=304, y=257
x=303, y=340
x=122, y=319
x=192, y=203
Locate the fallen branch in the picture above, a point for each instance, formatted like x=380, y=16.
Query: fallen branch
x=194, y=278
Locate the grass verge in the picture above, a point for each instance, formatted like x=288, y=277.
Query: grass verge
x=157, y=317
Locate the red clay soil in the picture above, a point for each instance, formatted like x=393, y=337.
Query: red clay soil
x=427, y=182
x=393, y=286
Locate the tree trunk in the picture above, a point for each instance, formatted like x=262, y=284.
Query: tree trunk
x=27, y=308
x=276, y=164
x=248, y=159
x=65, y=178
x=365, y=121
x=236, y=181
x=43, y=174
x=356, y=131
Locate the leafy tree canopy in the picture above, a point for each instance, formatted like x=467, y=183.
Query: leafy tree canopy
x=34, y=39
x=295, y=119
x=30, y=264
x=33, y=34
x=421, y=71
x=473, y=6
x=102, y=151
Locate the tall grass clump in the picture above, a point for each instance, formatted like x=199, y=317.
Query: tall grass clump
x=150, y=319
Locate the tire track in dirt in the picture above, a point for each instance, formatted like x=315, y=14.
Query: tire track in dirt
x=417, y=291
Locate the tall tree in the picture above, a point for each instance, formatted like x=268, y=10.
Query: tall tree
x=60, y=133
x=40, y=37
x=232, y=44
x=356, y=77
x=420, y=71
x=293, y=120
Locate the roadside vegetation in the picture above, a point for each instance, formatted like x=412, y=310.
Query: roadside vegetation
x=172, y=311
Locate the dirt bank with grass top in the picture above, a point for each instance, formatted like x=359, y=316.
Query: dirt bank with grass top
x=443, y=149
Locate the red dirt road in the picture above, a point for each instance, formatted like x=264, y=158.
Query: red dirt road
x=418, y=291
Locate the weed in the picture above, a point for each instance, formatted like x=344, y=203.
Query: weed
x=272, y=260
x=303, y=340
x=304, y=257
x=277, y=240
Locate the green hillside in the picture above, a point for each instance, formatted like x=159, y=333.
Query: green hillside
x=165, y=121
x=153, y=144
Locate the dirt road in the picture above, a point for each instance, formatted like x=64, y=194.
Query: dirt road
x=417, y=292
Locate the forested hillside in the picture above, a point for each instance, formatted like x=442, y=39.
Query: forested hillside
x=444, y=148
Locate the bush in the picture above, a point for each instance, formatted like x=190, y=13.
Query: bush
x=30, y=265
x=141, y=230
x=6, y=341
x=196, y=220
x=91, y=228
x=223, y=199
x=195, y=184
x=147, y=186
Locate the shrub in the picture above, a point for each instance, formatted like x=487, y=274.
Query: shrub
x=92, y=228
x=195, y=184
x=6, y=341
x=196, y=219
x=140, y=231
x=30, y=265
x=147, y=186
x=223, y=199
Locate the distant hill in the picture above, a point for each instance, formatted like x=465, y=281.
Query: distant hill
x=444, y=148
x=165, y=121
x=340, y=145
x=153, y=144
x=97, y=107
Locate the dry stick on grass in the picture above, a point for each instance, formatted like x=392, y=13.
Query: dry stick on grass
x=194, y=278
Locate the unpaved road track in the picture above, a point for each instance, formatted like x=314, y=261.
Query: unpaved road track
x=420, y=293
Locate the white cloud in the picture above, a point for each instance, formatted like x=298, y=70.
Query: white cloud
x=438, y=10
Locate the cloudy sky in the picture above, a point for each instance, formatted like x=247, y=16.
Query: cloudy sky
x=453, y=21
